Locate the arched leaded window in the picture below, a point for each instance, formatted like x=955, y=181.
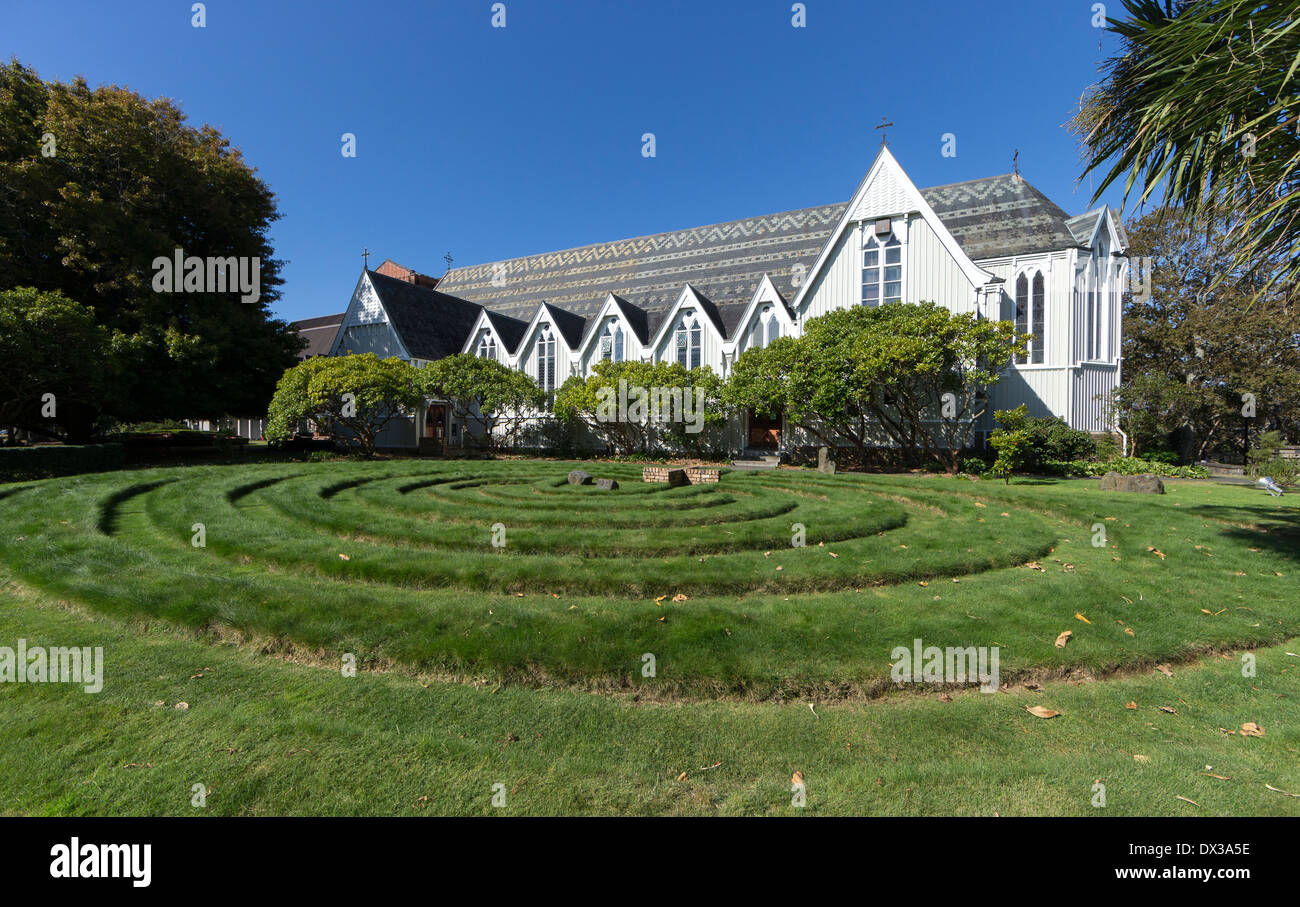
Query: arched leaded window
x=546, y=359
x=487, y=346
x=882, y=269
x=1031, y=300
x=766, y=328
x=611, y=342
x=689, y=340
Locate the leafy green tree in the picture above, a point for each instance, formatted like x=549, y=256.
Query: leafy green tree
x=1203, y=104
x=1207, y=334
x=350, y=398
x=914, y=375
x=485, y=393
x=632, y=405
x=56, y=365
x=97, y=183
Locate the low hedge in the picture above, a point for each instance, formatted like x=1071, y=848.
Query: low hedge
x=22, y=464
x=1129, y=466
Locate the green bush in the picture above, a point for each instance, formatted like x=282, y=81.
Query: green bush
x=22, y=464
x=1264, y=460
x=1026, y=443
x=1126, y=466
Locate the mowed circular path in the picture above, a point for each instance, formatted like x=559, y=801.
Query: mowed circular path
x=503, y=571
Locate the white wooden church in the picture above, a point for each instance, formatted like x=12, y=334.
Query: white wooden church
x=994, y=246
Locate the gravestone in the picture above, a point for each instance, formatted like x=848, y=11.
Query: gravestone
x=578, y=477
x=1147, y=484
x=825, y=465
x=606, y=484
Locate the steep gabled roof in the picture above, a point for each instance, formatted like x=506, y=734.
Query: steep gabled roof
x=1000, y=216
x=319, y=333
x=430, y=324
x=567, y=323
x=510, y=330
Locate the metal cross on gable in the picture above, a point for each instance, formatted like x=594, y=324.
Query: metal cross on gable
x=884, y=124
x=365, y=256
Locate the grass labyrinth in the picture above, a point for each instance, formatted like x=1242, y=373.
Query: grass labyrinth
x=395, y=562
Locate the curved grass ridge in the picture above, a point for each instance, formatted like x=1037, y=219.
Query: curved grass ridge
x=585, y=584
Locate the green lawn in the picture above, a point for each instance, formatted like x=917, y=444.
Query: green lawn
x=521, y=665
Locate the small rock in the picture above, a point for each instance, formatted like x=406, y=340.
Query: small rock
x=578, y=477
x=607, y=484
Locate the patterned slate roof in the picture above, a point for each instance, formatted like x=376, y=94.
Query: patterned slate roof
x=431, y=324
x=723, y=261
x=1000, y=216
x=990, y=218
x=319, y=333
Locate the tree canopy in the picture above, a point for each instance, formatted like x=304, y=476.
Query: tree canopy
x=350, y=398
x=1203, y=103
x=1207, y=335
x=55, y=364
x=493, y=399
x=97, y=183
x=914, y=374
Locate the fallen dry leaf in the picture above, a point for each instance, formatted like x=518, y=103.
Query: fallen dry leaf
x=796, y=778
x=682, y=776
x=1185, y=800
x=344, y=557
x=679, y=597
x=1063, y=639
x=1212, y=775
x=1039, y=711
x=1251, y=729
x=1139, y=758
x=1280, y=791
x=1078, y=616
x=1130, y=705
x=1165, y=670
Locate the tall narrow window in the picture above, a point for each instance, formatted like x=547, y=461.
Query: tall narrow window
x=546, y=360
x=773, y=328
x=487, y=346
x=1022, y=312
x=688, y=340
x=611, y=342
x=882, y=269
x=1039, y=300
x=1030, y=316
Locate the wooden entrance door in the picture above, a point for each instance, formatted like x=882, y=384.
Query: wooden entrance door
x=435, y=423
x=764, y=431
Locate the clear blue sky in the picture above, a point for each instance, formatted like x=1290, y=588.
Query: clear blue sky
x=493, y=143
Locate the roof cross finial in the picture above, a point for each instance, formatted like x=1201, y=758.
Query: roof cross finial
x=884, y=124
x=448, y=259
x=1015, y=163
x=365, y=257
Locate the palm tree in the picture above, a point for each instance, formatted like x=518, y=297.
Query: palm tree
x=1204, y=102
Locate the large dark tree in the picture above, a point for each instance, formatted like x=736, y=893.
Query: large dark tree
x=95, y=184
x=1208, y=334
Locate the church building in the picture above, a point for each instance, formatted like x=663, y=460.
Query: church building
x=996, y=247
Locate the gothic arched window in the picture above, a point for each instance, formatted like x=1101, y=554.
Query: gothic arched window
x=689, y=339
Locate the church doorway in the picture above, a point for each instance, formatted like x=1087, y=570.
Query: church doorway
x=435, y=423
x=764, y=430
